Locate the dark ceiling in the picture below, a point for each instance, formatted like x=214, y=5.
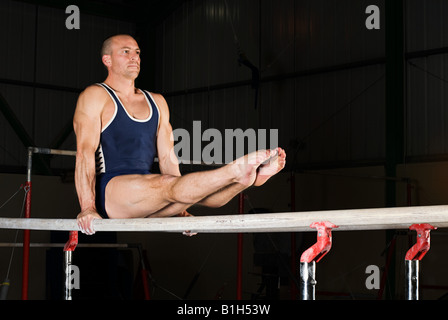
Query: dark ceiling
x=148, y=12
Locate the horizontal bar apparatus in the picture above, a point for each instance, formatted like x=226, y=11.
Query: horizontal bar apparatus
x=73, y=154
x=61, y=245
x=52, y=151
x=351, y=219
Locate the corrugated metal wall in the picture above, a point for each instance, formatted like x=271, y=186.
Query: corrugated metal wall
x=43, y=66
x=427, y=78
x=334, y=115
x=321, y=86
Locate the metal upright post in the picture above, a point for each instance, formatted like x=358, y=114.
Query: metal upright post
x=68, y=249
x=313, y=255
x=412, y=280
x=308, y=280
x=26, y=233
x=68, y=272
x=413, y=257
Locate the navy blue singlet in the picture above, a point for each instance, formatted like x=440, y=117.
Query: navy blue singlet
x=127, y=145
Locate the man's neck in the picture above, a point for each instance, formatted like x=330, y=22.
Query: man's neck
x=122, y=85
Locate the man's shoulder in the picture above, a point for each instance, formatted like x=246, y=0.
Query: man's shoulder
x=92, y=93
x=155, y=95
x=93, y=89
x=92, y=98
x=159, y=99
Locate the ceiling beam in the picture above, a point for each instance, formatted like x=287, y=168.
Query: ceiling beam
x=21, y=133
x=150, y=12
x=98, y=8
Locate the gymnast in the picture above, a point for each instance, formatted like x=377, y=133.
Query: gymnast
x=119, y=131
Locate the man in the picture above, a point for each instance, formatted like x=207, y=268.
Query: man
x=125, y=128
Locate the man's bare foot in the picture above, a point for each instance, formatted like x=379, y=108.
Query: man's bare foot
x=187, y=233
x=271, y=167
x=245, y=168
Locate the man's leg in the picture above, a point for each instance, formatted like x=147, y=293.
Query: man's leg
x=223, y=196
x=138, y=196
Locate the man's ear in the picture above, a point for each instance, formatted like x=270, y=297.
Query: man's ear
x=106, y=60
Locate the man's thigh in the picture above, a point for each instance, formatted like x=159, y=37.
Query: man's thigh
x=137, y=196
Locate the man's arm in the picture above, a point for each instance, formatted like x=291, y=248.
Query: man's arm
x=168, y=162
x=87, y=126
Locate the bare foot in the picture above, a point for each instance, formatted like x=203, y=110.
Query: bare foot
x=187, y=233
x=245, y=168
x=270, y=167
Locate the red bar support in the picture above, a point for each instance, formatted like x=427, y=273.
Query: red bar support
x=239, y=282
x=413, y=257
x=418, y=250
x=26, y=244
x=317, y=251
x=144, y=273
x=313, y=255
x=72, y=241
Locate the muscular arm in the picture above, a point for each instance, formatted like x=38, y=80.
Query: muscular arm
x=168, y=162
x=87, y=126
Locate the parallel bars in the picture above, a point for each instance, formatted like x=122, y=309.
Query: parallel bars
x=345, y=220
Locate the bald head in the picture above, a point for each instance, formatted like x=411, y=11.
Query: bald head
x=120, y=55
x=107, y=44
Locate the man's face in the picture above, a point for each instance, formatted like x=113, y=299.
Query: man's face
x=125, y=57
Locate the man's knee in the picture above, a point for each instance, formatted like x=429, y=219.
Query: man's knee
x=176, y=192
x=166, y=185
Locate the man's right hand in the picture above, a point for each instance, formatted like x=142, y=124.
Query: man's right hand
x=85, y=219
